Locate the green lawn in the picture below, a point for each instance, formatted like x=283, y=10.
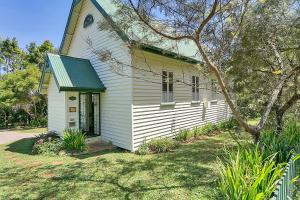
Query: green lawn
x=188, y=173
x=30, y=130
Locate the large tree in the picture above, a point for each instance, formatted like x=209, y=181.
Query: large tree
x=19, y=81
x=36, y=53
x=268, y=38
x=19, y=89
x=214, y=27
x=11, y=55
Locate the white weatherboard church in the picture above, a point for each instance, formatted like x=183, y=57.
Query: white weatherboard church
x=85, y=93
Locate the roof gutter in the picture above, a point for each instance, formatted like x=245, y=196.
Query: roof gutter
x=74, y=4
x=163, y=52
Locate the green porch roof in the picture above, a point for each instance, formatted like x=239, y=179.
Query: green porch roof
x=71, y=74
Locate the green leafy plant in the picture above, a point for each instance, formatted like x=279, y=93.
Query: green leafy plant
x=207, y=129
x=230, y=124
x=143, y=149
x=159, y=145
x=197, y=132
x=184, y=135
x=283, y=144
x=48, y=144
x=246, y=174
x=74, y=140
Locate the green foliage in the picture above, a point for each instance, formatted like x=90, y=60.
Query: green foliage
x=48, y=144
x=207, y=129
x=36, y=54
x=20, y=104
x=253, y=171
x=38, y=122
x=74, y=140
x=283, y=144
x=184, y=135
x=246, y=174
x=11, y=55
x=228, y=125
x=276, y=18
x=143, y=149
x=197, y=132
x=52, y=147
x=160, y=145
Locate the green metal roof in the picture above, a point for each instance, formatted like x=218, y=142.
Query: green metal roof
x=182, y=50
x=71, y=74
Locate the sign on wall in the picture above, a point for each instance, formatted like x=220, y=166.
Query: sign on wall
x=72, y=109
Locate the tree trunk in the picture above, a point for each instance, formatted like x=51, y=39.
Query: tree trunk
x=280, y=111
x=279, y=121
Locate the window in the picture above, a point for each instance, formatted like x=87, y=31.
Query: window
x=195, y=88
x=214, y=90
x=89, y=20
x=167, y=87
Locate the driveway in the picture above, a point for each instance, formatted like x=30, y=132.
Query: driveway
x=7, y=136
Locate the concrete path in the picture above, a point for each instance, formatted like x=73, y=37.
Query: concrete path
x=7, y=136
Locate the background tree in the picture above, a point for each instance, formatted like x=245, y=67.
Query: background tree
x=36, y=54
x=20, y=102
x=11, y=55
x=268, y=38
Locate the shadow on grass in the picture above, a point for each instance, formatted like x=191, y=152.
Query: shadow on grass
x=23, y=146
x=190, y=172
x=99, y=153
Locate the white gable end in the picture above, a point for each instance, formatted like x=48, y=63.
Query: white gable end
x=116, y=101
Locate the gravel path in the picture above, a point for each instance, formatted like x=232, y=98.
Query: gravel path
x=7, y=136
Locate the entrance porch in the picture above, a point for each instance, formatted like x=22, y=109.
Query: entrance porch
x=89, y=114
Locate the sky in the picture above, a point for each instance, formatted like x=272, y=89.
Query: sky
x=34, y=20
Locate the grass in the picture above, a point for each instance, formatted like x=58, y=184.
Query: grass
x=29, y=130
x=188, y=173
x=297, y=183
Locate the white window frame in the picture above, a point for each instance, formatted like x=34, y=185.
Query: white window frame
x=195, y=89
x=167, y=96
x=214, y=90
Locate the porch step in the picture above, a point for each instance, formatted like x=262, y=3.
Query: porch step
x=95, y=144
x=92, y=139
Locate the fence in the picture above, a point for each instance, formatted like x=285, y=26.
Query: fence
x=285, y=187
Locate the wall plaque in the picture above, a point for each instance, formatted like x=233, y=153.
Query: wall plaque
x=72, y=109
x=72, y=98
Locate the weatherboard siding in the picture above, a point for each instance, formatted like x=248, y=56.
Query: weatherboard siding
x=117, y=99
x=56, y=108
x=150, y=118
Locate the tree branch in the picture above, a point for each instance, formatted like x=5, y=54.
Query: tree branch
x=207, y=19
x=153, y=28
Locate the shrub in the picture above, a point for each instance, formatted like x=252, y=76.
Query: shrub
x=48, y=136
x=184, y=135
x=246, y=174
x=197, y=132
x=39, y=122
x=74, y=140
x=228, y=125
x=143, y=149
x=162, y=145
x=47, y=143
x=159, y=145
x=48, y=147
x=207, y=129
x=283, y=144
